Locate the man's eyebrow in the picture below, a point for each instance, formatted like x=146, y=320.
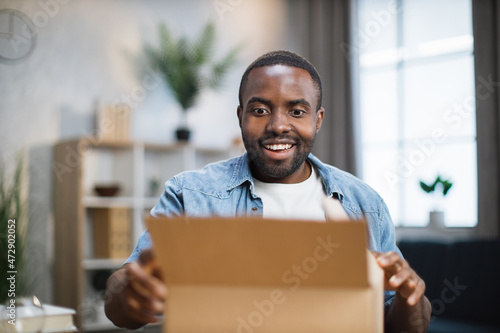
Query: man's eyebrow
x=299, y=101
x=256, y=99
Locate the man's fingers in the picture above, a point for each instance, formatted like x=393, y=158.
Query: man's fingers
x=418, y=292
x=392, y=264
x=400, y=277
x=147, y=262
x=141, y=305
x=144, y=296
x=139, y=302
x=144, y=283
x=146, y=257
x=391, y=260
x=139, y=313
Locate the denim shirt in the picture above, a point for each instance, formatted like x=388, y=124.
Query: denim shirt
x=226, y=189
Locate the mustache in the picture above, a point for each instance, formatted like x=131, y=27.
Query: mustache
x=282, y=137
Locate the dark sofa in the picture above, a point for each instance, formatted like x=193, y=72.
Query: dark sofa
x=463, y=282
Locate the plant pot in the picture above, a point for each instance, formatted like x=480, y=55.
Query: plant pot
x=436, y=219
x=183, y=134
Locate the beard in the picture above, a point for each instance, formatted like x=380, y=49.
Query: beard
x=277, y=168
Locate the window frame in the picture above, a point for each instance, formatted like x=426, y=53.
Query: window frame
x=401, y=63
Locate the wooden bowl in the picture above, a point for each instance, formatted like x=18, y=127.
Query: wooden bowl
x=107, y=190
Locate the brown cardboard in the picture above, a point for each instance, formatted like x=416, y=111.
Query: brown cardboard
x=111, y=231
x=113, y=122
x=250, y=275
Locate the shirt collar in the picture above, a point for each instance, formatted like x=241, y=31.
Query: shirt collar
x=328, y=178
x=242, y=174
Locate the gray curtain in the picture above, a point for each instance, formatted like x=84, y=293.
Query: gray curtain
x=486, y=24
x=321, y=31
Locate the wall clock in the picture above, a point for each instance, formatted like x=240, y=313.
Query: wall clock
x=18, y=36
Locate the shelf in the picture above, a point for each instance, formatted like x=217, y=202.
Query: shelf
x=184, y=146
x=109, y=326
x=105, y=202
x=88, y=161
x=166, y=148
x=99, y=326
x=127, y=202
x=96, y=264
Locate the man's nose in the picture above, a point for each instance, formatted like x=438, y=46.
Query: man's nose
x=278, y=123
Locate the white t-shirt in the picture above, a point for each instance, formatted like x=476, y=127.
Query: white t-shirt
x=303, y=201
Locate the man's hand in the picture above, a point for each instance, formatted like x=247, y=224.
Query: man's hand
x=135, y=294
x=400, y=277
x=411, y=310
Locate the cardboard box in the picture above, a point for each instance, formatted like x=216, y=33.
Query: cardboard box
x=249, y=275
x=111, y=232
x=113, y=122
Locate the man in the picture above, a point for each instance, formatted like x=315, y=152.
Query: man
x=279, y=115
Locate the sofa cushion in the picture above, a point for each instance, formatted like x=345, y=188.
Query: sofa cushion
x=444, y=325
x=462, y=279
x=473, y=270
x=428, y=259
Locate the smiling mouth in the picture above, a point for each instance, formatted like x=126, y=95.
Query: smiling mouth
x=278, y=147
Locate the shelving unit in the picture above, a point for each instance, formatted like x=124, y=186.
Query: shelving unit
x=78, y=166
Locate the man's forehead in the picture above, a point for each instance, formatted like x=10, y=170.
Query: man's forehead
x=278, y=69
x=274, y=71
x=291, y=78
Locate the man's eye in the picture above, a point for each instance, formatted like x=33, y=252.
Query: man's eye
x=297, y=112
x=259, y=111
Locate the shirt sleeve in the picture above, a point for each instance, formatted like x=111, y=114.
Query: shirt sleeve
x=169, y=204
x=387, y=236
x=143, y=243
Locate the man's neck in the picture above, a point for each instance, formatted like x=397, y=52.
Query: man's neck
x=300, y=175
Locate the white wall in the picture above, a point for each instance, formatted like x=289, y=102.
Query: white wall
x=90, y=51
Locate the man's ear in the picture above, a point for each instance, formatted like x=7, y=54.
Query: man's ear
x=319, y=118
x=239, y=111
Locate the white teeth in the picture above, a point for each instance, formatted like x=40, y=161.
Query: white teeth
x=278, y=147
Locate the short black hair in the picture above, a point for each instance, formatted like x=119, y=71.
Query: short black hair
x=286, y=58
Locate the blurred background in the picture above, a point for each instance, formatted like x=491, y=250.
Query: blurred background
x=410, y=91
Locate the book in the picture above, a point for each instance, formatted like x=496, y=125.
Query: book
x=52, y=319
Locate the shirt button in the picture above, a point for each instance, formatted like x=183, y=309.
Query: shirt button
x=254, y=209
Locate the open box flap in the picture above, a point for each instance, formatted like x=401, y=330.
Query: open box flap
x=260, y=252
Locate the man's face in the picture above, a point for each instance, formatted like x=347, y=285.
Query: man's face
x=279, y=122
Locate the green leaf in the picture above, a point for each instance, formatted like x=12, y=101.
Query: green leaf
x=221, y=68
x=446, y=184
x=446, y=187
x=12, y=206
x=203, y=47
x=186, y=66
x=427, y=188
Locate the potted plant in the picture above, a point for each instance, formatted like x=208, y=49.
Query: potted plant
x=440, y=187
x=14, y=275
x=12, y=233
x=188, y=67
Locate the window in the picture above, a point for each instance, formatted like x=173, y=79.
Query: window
x=418, y=106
